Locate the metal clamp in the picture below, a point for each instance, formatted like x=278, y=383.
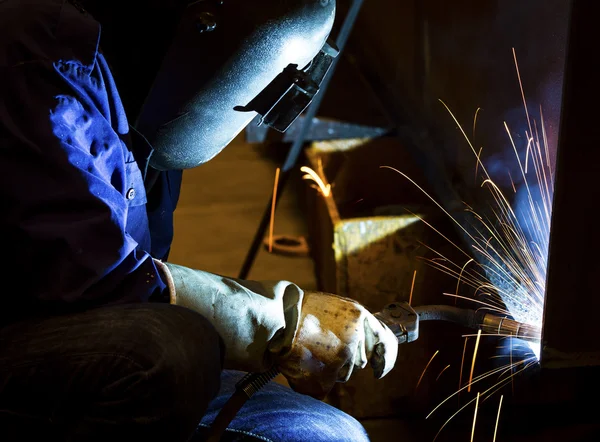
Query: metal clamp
x=402, y=319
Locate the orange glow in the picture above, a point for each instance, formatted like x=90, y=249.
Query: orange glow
x=412, y=286
x=273, y=210
x=324, y=188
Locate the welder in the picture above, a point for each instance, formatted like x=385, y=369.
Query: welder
x=103, y=104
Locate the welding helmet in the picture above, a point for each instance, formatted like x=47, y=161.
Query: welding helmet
x=228, y=61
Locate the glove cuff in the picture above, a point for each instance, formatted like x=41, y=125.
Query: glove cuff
x=168, y=278
x=257, y=320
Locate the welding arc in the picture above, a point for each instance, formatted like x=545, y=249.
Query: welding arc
x=479, y=320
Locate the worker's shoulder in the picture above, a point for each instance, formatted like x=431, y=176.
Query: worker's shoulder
x=51, y=30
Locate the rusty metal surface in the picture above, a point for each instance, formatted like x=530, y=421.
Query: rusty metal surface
x=375, y=258
x=570, y=339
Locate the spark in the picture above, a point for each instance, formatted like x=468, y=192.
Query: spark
x=512, y=182
x=522, y=91
x=489, y=306
x=462, y=363
x=437, y=204
x=505, y=269
x=527, y=154
x=459, y=276
x=497, y=189
x=475, y=418
x=324, y=188
x=443, y=370
x=422, y=374
x=511, y=360
x=513, y=274
x=485, y=376
x=272, y=222
x=478, y=157
x=412, y=286
x=452, y=417
x=475, y=120
x=494, y=387
x=497, y=418
x=474, y=357
x=479, y=162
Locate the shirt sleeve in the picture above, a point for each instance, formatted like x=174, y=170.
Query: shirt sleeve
x=67, y=189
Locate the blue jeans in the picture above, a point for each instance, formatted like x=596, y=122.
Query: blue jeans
x=140, y=372
x=277, y=414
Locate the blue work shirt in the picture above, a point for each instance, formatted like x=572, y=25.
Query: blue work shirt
x=75, y=224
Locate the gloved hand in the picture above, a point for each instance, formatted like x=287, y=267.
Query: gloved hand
x=335, y=336
x=315, y=339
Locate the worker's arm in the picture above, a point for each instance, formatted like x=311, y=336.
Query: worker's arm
x=73, y=221
x=315, y=339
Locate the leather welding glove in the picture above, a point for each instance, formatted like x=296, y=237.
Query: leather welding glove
x=315, y=339
x=335, y=335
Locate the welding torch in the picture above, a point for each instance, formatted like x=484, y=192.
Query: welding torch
x=403, y=320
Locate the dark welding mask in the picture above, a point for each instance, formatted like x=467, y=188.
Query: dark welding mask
x=229, y=61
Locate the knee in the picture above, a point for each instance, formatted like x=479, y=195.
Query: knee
x=279, y=414
x=322, y=423
x=352, y=428
x=178, y=351
x=329, y=424
x=184, y=346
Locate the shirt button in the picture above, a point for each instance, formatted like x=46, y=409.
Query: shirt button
x=130, y=194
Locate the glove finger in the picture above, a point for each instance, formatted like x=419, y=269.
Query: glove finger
x=361, y=358
x=358, y=360
x=385, y=350
x=345, y=372
x=378, y=361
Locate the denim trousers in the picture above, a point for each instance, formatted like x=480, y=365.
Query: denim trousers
x=141, y=372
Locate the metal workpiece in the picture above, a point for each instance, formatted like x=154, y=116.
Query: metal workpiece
x=569, y=340
x=404, y=321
